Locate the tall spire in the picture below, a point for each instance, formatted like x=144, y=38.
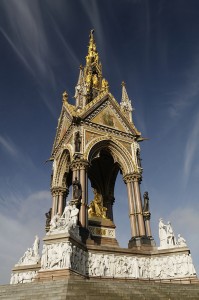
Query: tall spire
x=126, y=103
x=90, y=82
x=80, y=90
x=92, y=59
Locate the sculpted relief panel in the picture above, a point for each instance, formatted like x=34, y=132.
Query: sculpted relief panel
x=66, y=255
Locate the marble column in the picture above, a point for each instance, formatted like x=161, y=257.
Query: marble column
x=132, y=206
x=83, y=215
x=136, y=186
x=60, y=203
x=58, y=200
x=53, y=203
x=147, y=217
x=75, y=172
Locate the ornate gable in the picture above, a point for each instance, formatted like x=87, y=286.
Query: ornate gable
x=106, y=111
x=64, y=122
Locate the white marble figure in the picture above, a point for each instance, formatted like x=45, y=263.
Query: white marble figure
x=66, y=213
x=23, y=277
x=66, y=256
x=162, y=233
x=31, y=256
x=35, y=246
x=170, y=235
x=166, y=235
x=181, y=242
x=44, y=257
x=54, y=222
x=74, y=216
x=67, y=222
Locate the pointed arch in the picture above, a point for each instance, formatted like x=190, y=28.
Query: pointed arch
x=117, y=151
x=60, y=174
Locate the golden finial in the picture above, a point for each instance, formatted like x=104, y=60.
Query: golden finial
x=123, y=83
x=65, y=96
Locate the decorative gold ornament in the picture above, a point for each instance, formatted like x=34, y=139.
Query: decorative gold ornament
x=65, y=96
x=95, y=80
x=105, y=85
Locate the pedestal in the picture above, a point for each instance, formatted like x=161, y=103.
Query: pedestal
x=141, y=243
x=102, y=231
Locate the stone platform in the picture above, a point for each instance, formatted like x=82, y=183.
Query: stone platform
x=95, y=289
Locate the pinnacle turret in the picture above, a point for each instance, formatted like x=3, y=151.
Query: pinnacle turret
x=126, y=103
x=80, y=90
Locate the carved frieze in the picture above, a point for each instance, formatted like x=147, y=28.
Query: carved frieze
x=23, y=277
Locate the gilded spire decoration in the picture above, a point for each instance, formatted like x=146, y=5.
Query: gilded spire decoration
x=65, y=97
x=126, y=103
x=91, y=82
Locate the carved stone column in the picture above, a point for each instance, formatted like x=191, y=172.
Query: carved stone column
x=79, y=169
x=54, y=202
x=58, y=194
x=75, y=172
x=128, y=179
x=136, y=186
x=147, y=216
x=83, y=215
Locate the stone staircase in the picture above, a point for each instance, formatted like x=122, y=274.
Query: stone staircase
x=72, y=289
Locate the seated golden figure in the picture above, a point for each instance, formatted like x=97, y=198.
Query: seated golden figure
x=96, y=208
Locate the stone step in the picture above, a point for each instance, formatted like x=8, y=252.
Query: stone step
x=99, y=290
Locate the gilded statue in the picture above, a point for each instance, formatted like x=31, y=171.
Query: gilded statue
x=87, y=59
x=104, y=84
x=96, y=208
x=88, y=78
x=95, y=80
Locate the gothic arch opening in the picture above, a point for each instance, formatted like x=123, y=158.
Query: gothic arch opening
x=102, y=174
x=106, y=170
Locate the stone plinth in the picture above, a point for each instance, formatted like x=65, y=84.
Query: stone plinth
x=141, y=243
x=102, y=231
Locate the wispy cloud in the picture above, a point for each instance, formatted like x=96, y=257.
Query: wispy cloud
x=92, y=10
x=10, y=148
x=185, y=96
x=17, y=233
x=23, y=27
x=67, y=46
x=27, y=32
x=191, y=149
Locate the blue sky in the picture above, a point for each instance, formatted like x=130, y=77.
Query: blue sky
x=153, y=46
